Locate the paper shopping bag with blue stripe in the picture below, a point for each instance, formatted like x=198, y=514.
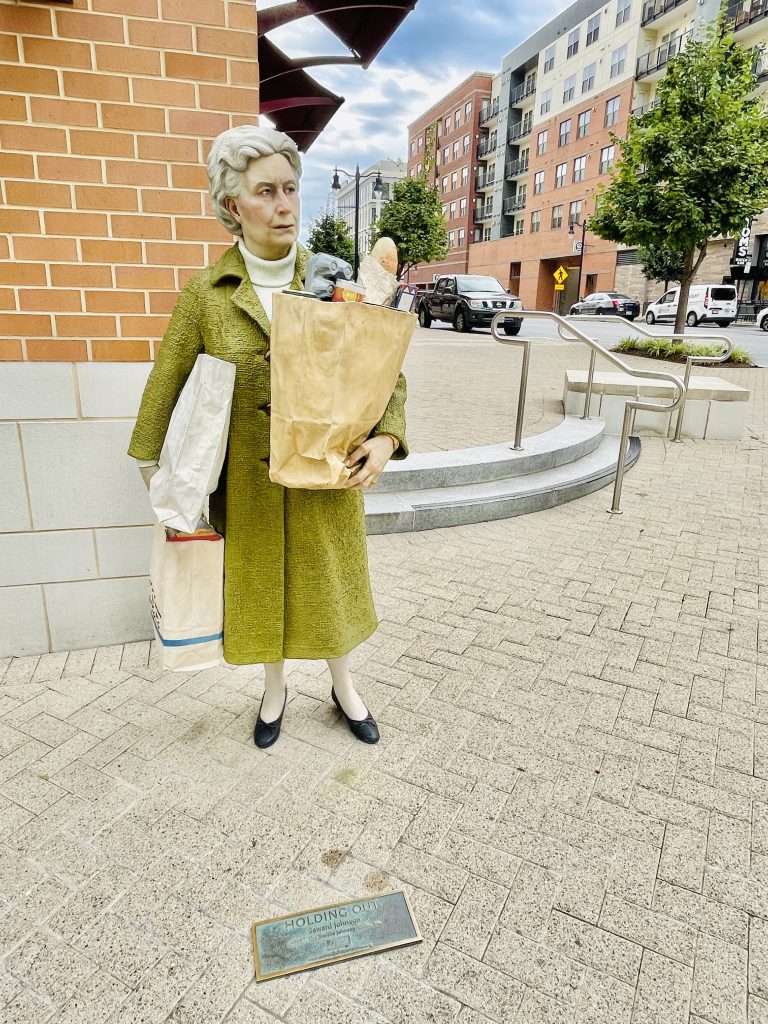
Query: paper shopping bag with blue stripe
x=186, y=588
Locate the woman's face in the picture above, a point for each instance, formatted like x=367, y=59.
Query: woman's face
x=268, y=208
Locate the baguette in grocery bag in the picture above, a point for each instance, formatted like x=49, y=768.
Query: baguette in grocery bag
x=334, y=367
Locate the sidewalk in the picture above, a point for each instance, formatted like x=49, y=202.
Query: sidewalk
x=572, y=783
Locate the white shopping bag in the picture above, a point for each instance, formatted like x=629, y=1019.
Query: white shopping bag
x=186, y=594
x=195, y=445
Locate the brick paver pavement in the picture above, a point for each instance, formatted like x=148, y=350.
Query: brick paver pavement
x=572, y=782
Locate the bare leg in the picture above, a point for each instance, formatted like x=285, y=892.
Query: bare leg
x=344, y=688
x=274, y=691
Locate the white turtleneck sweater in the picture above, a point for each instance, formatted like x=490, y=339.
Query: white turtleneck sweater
x=268, y=276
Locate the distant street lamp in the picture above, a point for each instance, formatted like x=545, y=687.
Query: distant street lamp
x=571, y=232
x=378, y=189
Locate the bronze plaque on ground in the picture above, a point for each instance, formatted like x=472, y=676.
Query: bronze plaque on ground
x=325, y=935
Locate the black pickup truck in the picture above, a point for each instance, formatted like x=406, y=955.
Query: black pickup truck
x=467, y=301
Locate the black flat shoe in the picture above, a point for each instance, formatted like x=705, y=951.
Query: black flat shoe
x=364, y=729
x=265, y=733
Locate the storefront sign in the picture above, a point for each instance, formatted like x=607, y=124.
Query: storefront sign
x=742, y=250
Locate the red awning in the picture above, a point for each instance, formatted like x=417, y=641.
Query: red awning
x=362, y=25
x=292, y=99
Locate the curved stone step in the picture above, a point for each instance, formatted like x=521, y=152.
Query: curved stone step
x=569, y=440
x=433, y=508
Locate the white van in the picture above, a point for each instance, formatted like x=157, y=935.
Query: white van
x=707, y=303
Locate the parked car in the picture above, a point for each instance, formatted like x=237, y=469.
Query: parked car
x=707, y=303
x=467, y=301
x=762, y=319
x=608, y=304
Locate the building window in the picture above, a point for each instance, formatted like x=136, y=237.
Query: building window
x=573, y=44
x=446, y=154
x=466, y=143
x=565, y=132
x=519, y=226
x=452, y=211
x=607, y=159
x=582, y=125
x=549, y=59
x=463, y=206
x=588, y=79
x=623, y=11
x=574, y=212
x=557, y=216
x=538, y=183
x=462, y=236
x=421, y=142
x=452, y=239
x=413, y=147
x=579, y=168
x=611, y=111
x=467, y=110
x=447, y=125
x=618, y=59
x=569, y=88
x=465, y=175
x=593, y=29
x=478, y=234
x=456, y=150
x=457, y=119
x=445, y=211
x=486, y=234
x=541, y=144
x=546, y=101
x=535, y=222
x=561, y=172
x=454, y=180
x=445, y=183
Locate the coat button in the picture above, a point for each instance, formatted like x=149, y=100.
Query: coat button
x=266, y=355
x=268, y=410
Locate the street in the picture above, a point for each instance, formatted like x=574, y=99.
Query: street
x=744, y=336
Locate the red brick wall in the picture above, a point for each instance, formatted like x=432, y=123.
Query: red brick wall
x=474, y=89
x=107, y=109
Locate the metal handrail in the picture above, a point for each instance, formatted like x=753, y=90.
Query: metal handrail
x=689, y=361
x=631, y=407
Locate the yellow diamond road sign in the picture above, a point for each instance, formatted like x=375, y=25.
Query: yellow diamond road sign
x=560, y=275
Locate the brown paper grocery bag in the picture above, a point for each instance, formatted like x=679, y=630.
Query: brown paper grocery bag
x=334, y=366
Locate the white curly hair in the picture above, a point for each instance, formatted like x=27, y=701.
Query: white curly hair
x=230, y=155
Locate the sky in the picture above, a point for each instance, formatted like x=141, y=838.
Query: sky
x=435, y=48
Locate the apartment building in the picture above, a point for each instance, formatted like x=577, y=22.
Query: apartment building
x=443, y=147
x=371, y=203
x=544, y=147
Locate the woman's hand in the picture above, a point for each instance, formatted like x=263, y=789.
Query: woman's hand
x=376, y=451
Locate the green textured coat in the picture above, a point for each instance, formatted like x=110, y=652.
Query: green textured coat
x=296, y=564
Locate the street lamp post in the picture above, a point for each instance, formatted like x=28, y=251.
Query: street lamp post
x=378, y=188
x=571, y=232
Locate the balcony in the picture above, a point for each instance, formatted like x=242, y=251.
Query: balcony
x=484, y=181
x=653, y=63
x=482, y=213
x=520, y=130
x=520, y=92
x=639, y=111
x=515, y=168
x=514, y=204
x=486, y=147
x=654, y=10
x=490, y=113
x=744, y=17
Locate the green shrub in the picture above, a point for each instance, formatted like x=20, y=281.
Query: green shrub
x=664, y=348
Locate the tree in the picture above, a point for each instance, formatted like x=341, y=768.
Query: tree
x=413, y=219
x=694, y=166
x=660, y=263
x=331, y=235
